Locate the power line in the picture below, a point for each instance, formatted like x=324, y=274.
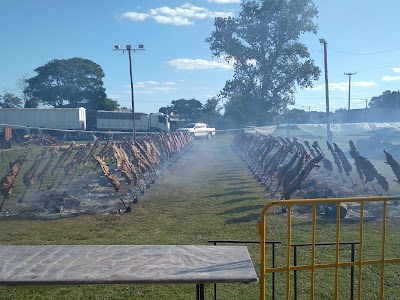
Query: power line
x=371, y=53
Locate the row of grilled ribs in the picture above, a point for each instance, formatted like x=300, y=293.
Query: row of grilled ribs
x=131, y=160
x=286, y=163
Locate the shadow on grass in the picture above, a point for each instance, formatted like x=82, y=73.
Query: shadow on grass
x=242, y=182
x=228, y=177
x=249, y=218
x=238, y=188
x=232, y=193
x=324, y=220
x=232, y=201
x=241, y=209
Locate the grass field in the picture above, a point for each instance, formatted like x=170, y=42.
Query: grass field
x=207, y=194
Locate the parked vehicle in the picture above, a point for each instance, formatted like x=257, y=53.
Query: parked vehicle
x=198, y=130
x=122, y=121
x=82, y=119
x=52, y=118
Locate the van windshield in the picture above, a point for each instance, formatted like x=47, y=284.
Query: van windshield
x=190, y=125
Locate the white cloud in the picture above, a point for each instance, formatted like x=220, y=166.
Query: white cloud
x=151, y=87
x=139, y=84
x=199, y=64
x=163, y=88
x=144, y=92
x=180, y=16
x=135, y=16
x=363, y=83
x=396, y=70
x=178, y=21
x=342, y=86
x=224, y=1
x=390, y=78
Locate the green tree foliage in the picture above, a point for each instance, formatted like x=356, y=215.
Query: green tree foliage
x=10, y=100
x=269, y=60
x=193, y=111
x=167, y=110
x=189, y=110
x=298, y=116
x=211, y=111
x=73, y=82
x=106, y=104
x=237, y=108
x=388, y=99
x=31, y=102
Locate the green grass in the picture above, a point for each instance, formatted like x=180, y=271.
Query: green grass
x=207, y=194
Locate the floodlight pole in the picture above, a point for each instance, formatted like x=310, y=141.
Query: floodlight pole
x=129, y=49
x=328, y=129
x=348, y=108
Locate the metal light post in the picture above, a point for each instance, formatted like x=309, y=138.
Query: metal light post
x=328, y=129
x=129, y=49
x=348, y=108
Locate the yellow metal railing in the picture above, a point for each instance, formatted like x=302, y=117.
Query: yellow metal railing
x=359, y=263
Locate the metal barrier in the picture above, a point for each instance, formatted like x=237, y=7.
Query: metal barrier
x=273, y=243
x=359, y=263
x=295, y=246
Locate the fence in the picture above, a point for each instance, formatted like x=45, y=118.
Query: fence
x=289, y=268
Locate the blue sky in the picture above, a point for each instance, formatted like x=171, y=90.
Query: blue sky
x=362, y=37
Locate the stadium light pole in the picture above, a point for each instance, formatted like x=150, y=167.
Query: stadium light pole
x=328, y=126
x=129, y=49
x=348, y=107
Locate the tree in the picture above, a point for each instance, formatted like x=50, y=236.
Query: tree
x=167, y=110
x=106, y=104
x=387, y=100
x=188, y=110
x=74, y=82
x=29, y=102
x=22, y=84
x=237, y=108
x=269, y=60
x=211, y=111
x=32, y=102
x=298, y=116
x=10, y=100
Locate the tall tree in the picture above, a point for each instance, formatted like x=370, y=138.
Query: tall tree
x=74, y=82
x=388, y=99
x=237, y=110
x=211, y=112
x=106, y=104
x=269, y=60
x=29, y=101
x=10, y=100
x=189, y=110
x=167, y=110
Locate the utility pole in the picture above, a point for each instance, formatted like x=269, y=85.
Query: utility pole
x=348, y=108
x=328, y=129
x=129, y=49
